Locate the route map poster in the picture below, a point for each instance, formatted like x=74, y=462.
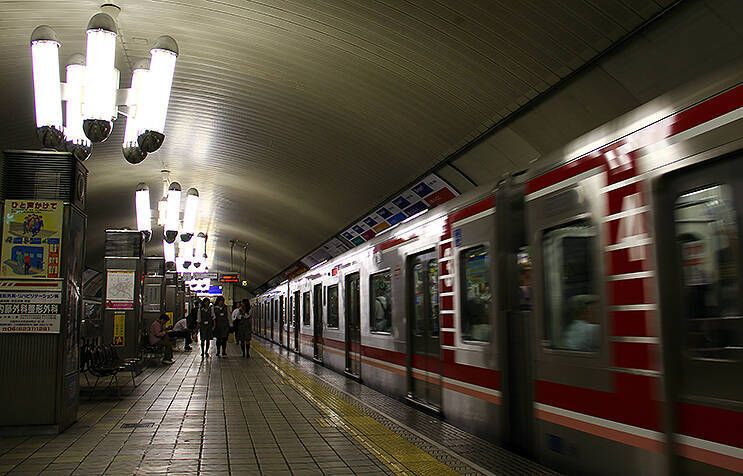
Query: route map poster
x=32, y=238
x=120, y=289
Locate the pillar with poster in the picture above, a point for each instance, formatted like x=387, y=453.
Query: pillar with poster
x=123, y=268
x=41, y=268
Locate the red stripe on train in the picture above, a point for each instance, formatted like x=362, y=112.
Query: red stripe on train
x=670, y=126
x=635, y=402
x=474, y=209
x=708, y=423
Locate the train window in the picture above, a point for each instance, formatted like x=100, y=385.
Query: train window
x=524, y=262
x=571, y=314
x=306, y=309
x=476, y=294
x=708, y=243
x=421, y=286
x=381, y=302
x=333, y=306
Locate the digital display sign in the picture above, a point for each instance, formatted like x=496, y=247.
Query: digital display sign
x=233, y=278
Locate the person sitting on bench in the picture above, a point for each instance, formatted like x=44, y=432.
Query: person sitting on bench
x=159, y=336
x=181, y=331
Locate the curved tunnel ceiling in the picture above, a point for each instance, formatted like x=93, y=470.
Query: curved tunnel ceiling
x=293, y=117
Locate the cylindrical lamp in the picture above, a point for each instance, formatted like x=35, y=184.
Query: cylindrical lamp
x=173, y=212
x=47, y=90
x=144, y=215
x=132, y=152
x=185, y=252
x=155, y=108
x=76, y=142
x=189, y=215
x=101, y=78
x=168, y=252
x=199, y=250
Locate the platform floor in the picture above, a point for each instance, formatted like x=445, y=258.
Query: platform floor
x=275, y=413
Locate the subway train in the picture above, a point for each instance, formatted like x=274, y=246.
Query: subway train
x=586, y=312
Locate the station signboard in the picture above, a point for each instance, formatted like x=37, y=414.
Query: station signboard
x=229, y=278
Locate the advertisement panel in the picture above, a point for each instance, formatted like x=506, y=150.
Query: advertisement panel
x=32, y=238
x=30, y=310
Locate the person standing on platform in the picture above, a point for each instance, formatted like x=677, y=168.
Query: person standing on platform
x=244, y=329
x=237, y=314
x=222, y=324
x=206, y=326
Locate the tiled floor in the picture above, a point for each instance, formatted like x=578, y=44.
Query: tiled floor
x=265, y=415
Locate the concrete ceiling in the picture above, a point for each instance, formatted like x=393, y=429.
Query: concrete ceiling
x=294, y=117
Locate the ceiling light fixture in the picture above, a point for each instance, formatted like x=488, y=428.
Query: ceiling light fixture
x=173, y=212
x=189, y=214
x=92, y=92
x=144, y=215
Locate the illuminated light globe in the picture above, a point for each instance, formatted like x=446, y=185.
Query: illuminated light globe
x=101, y=78
x=154, y=107
x=47, y=93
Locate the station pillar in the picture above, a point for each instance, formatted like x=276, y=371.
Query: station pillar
x=123, y=265
x=43, y=240
x=153, y=295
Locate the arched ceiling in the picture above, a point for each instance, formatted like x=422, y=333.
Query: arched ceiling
x=294, y=117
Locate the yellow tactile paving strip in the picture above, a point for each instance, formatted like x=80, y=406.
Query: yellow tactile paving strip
x=394, y=451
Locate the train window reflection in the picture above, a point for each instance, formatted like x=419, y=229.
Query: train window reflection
x=572, y=313
x=433, y=290
x=476, y=294
x=419, y=304
x=381, y=302
x=708, y=244
x=333, y=306
x=306, y=309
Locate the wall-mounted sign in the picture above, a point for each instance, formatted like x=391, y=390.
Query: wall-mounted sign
x=25, y=310
x=428, y=193
x=119, y=329
x=32, y=238
x=120, y=289
x=231, y=278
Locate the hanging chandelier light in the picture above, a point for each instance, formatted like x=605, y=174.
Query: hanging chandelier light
x=173, y=212
x=169, y=253
x=144, y=215
x=189, y=214
x=199, y=250
x=92, y=92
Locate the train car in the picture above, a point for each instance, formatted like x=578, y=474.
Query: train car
x=586, y=312
x=636, y=295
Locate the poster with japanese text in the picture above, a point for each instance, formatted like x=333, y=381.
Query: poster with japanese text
x=119, y=289
x=32, y=239
x=30, y=311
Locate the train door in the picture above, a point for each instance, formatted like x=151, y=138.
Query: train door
x=353, y=325
x=281, y=320
x=274, y=312
x=317, y=316
x=296, y=321
x=424, y=351
x=699, y=220
x=514, y=268
x=306, y=309
x=289, y=321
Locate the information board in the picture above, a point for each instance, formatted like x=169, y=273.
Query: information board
x=32, y=239
x=120, y=289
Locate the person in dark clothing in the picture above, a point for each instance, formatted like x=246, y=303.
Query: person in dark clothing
x=206, y=326
x=244, y=328
x=222, y=324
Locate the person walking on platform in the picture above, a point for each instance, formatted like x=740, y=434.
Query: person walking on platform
x=222, y=324
x=206, y=326
x=244, y=329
